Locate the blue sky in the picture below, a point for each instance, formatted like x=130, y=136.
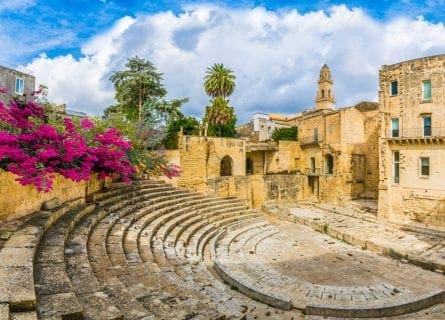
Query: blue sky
x=280, y=46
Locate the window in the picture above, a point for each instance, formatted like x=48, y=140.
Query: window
x=19, y=86
x=322, y=93
x=393, y=88
x=427, y=126
x=425, y=166
x=249, y=166
x=329, y=164
x=315, y=134
x=426, y=90
x=313, y=165
x=396, y=169
x=395, y=127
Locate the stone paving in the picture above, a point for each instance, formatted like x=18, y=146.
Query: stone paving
x=311, y=269
x=424, y=248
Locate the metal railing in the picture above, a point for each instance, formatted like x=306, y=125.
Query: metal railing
x=422, y=132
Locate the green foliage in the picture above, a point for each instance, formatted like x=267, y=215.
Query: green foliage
x=219, y=81
x=218, y=115
x=140, y=94
x=285, y=134
x=227, y=130
x=190, y=126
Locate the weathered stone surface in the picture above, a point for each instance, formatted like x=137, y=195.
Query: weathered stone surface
x=63, y=305
x=51, y=204
x=4, y=311
x=30, y=315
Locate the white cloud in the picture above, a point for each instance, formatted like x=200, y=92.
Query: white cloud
x=276, y=56
x=16, y=4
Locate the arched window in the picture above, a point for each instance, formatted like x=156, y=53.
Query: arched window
x=329, y=164
x=226, y=166
x=322, y=93
x=249, y=166
x=329, y=94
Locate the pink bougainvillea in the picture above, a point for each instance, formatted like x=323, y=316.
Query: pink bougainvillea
x=35, y=151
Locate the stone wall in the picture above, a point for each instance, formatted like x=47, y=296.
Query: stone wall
x=414, y=197
x=200, y=158
x=18, y=201
x=254, y=190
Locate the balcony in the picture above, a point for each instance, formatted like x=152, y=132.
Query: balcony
x=417, y=135
x=312, y=171
x=311, y=141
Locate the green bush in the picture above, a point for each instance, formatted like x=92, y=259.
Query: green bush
x=190, y=126
x=285, y=134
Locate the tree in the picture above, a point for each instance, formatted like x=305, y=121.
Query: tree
x=219, y=113
x=219, y=81
x=138, y=87
x=189, y=125
x=285, y=134
x=225, y=130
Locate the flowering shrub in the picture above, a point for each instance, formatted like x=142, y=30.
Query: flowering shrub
x=171, y=170
x=35, y=151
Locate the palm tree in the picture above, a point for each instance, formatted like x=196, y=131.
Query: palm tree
x=219, y=81
x=219, y=113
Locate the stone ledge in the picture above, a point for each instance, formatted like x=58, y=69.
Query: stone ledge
x=389, y=310
x=383, y=246
x=253, y=292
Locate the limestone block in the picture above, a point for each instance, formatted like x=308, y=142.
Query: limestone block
x=51, y=204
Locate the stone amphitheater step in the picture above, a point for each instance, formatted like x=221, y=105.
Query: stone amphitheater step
x=53, y=286
x=256, y=279
x=145, y=242
x=104, y=291
x=115, y=230
x=149, y=284
x=17, y=294
x=144, y=251
x=149, y=227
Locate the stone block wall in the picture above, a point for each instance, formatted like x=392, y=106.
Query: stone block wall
x=254, y=190
x=18, y=201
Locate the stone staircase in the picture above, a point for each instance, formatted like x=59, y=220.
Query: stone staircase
x=132, y=252
x=152, y=251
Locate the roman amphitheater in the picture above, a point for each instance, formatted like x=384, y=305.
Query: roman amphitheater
x=346, y=222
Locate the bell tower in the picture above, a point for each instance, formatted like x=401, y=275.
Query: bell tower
x=325, y=93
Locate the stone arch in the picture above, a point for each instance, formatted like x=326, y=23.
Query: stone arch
x=226, y=166
x=329, y=160
x=249, y=166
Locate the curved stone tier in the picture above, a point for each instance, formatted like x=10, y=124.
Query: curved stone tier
x=151, y=251
x=260, y=262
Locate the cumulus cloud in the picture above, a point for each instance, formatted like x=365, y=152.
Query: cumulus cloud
x=276, y=55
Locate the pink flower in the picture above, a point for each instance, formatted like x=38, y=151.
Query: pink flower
x=86, y=124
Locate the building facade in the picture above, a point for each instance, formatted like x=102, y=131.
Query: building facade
x=18, y=84
x=412, y=141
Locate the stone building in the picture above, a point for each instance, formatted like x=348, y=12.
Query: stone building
x=261, y=127
x=336, y=149
x=334, y=159
x=18, y=83
x=412, y=141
